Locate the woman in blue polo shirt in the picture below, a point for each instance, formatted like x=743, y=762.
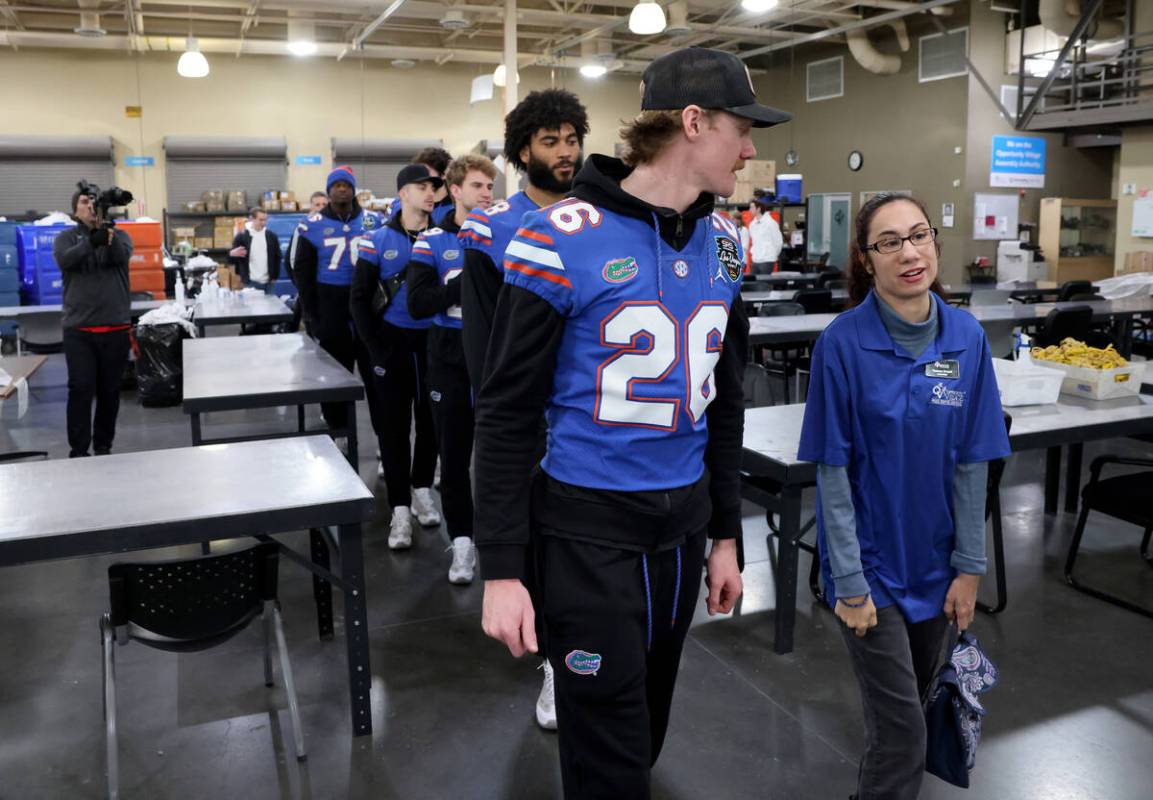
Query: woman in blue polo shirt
x=902, y=416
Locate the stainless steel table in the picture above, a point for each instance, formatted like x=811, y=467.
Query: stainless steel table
x=283, y=369
x=72, y=508
x=807, y=327
x=46, y=312
x=240, y=309
x=773, y=434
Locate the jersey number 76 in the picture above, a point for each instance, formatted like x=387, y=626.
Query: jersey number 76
x=694, y=347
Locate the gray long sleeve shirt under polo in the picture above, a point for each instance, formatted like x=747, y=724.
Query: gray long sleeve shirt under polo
x=96, y=290
x=969, y=487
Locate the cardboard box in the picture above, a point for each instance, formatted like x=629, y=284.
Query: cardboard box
x=1138, y=261
x=183, y=233
x=290, y=196
x=227, y=278
x=212, y=197
x=743, y=193
x=270, y=205
x=761, y=174
x=222, y=238
x=237, y=200
x=202, y=242
x=1099, y=384
x=213, y=207
x=196, y=207
x=289, y=205
x=269, y=196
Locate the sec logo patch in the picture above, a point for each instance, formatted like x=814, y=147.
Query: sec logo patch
x=681, y=268
x=729, y=257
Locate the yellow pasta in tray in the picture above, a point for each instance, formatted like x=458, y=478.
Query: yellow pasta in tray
x=1079, y=354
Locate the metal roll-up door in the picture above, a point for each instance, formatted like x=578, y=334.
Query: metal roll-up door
x=38, y=174
x=198, y=164
x=377, y=162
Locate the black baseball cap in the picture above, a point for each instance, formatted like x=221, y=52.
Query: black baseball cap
x=417, y=173
x=711, y=79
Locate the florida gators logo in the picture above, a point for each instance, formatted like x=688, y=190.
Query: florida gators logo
x=620, y=270
x=583, y=663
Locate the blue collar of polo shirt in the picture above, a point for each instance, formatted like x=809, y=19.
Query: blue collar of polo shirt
x=873, y=335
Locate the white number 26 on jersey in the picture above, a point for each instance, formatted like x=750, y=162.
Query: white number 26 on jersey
x=621, y=378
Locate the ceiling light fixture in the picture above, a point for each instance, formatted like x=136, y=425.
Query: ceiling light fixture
x=500, y=76
x=758, y=6
x=403, y=63
x=301, y=37
x=647, y=18
x=192, y=63
x=593, y=70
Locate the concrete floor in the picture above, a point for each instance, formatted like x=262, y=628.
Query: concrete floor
x=1072, y=718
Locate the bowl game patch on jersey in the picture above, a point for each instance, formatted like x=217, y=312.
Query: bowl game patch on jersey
x=729, y=256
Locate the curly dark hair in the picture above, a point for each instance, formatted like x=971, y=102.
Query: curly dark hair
x=547, y=110
x=436, y=158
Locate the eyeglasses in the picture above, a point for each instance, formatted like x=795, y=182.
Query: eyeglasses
x=893, y=244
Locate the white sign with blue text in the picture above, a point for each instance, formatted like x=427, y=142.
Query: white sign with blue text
x=1018, y=162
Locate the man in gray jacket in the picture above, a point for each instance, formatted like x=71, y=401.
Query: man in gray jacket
x=93, y=259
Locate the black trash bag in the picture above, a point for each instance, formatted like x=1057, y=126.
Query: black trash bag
x=160, y=364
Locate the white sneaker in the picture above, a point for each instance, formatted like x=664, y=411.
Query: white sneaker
x=424, y=509
x=400, y=529
x=436, y=477
x=463, y=561
x=546, y=703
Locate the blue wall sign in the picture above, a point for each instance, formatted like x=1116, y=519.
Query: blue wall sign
x=1018, y=162
x=139, y=161
x=307, y=161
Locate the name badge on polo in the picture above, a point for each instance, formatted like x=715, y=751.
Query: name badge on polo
x=943, y=369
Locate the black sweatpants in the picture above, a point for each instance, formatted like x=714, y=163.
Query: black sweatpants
x=336, y=335
x=615, y=622
x=401, y=393
x=96, y=364
x=894, y=663
x=452, y=413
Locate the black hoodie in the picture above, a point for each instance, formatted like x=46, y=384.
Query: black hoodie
x=519, y=369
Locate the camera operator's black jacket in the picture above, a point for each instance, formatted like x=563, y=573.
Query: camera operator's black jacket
x=96, y=290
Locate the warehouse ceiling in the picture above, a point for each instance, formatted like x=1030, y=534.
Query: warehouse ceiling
x=564, y=33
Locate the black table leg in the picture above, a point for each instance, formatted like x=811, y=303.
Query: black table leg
x=300, y=419
x=353, y=455
x=786, y=572
x=322, y=589
x=356, y=629
x=1052, y=478
x=197, y=436
x=1073, y=477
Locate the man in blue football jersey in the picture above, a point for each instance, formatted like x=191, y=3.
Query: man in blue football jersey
x=620, y=319
x=322, y=263
x=543, y=137
x=434, y=292
x=397, y=345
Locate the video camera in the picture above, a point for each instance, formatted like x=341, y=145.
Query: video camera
x=105, y=200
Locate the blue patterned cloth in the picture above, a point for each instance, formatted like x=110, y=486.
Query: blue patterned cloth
x=954, y=712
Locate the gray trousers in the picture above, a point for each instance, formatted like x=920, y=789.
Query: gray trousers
x=894, y=664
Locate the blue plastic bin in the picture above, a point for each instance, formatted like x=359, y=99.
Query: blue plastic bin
x=9, y=282
x=8, y=233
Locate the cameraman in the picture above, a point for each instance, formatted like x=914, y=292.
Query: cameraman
x=93, y=258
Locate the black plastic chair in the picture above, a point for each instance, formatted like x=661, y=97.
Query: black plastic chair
x=1070, y=288
x=781, y=361
x=139, y=296
x=1124, y=497
x=828, y=277
x=1062, y=322
x=191, y=605
x=993, y=514
x=815, y=301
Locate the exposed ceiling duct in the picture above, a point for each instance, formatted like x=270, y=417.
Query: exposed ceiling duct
x=1061, y=16
x=869, y=57
x=89, y=20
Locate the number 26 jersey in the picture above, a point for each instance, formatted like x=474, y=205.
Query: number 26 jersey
x=644, y=329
